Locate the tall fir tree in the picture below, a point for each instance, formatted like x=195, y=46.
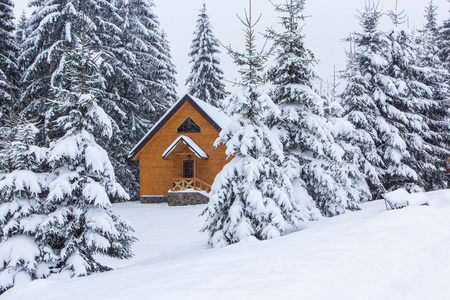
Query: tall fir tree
x=253, y=194
x=366, y=60
x=427, y=39
x=81, y=222
x=165, y=73
x=430, y=16
x=430, y=92
x=444, y=43
x=327, y=165
x=424, y=121
x=387, y=97
x=136, y=95
x=136, y=65
x=141, y=53
x=51, y=27
x=9, y=75
x=22, y=27
x=205, y=80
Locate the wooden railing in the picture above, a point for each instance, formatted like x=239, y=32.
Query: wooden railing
x=181, y=184
x=203, y=186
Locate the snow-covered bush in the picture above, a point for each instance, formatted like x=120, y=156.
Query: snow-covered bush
x=22, y=209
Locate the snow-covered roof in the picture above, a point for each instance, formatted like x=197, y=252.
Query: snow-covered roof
x=188, y=142
x=213, y=115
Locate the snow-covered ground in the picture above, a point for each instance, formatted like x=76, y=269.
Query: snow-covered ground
x=369, y=254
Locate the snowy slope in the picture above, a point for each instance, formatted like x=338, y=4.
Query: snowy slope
x=370, y=254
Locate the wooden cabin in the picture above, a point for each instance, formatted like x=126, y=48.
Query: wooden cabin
x=177, y=158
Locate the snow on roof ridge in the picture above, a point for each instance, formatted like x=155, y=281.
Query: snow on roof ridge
x=216, y=115
x=188, y=142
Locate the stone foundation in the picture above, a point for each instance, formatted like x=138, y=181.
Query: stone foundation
x=187, y=198
x=154, y=199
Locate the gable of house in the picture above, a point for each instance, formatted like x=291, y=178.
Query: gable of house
x=183, y=138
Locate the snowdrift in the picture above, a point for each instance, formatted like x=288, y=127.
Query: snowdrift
x=369, y=254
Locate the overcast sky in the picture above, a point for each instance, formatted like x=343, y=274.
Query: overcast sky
x=330, y=22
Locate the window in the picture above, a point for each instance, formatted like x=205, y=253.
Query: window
x=188, y=126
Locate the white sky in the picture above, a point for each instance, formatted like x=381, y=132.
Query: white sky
x=330, y=22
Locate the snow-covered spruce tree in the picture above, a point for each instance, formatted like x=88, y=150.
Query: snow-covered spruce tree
x=444, y=43
x=401, y=139
x=21, y=31
x=432, y=72
x=140, y=82
x=364, y=93
x=141, y=54
x=81, y=223
x=427, y=80
x=205, y=80
x=51, y=27
x=22, y=257
x=427, y=41
x=41, y=50
x=424, y=122
x=165, y=74
x=253, y=194
x=327, y=164
x=430, y=16
x=9, y=75
x=386, y=96
x=128, y=35
x=134, y=96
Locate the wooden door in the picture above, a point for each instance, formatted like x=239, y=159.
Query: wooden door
x=188, y=169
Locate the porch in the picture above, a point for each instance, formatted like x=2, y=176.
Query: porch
x=186, y=156
x=182, y=184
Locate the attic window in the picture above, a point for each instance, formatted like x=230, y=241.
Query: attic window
x=188, y=126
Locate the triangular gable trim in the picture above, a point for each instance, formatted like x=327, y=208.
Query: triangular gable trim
x=166, y=118
x=188, y=142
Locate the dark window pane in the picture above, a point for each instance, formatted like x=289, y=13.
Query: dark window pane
x=188, y=126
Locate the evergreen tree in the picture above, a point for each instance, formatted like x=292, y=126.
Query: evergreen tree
x=253, y=194
x=22, y=257
x=419, y=87
x=136, y=65
x=399, y=114
x=430, y=16
x=430, y=94
x=8, y=58
x=21, y=31
x=81, y=223
x=327, y=164
x=387, y=98
x=140, y=54
x=135, y=96
x=52, y=27
x=362, y=97
x=205, y=81
x=427, y=39
x=444, y=43
x=165, y=74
